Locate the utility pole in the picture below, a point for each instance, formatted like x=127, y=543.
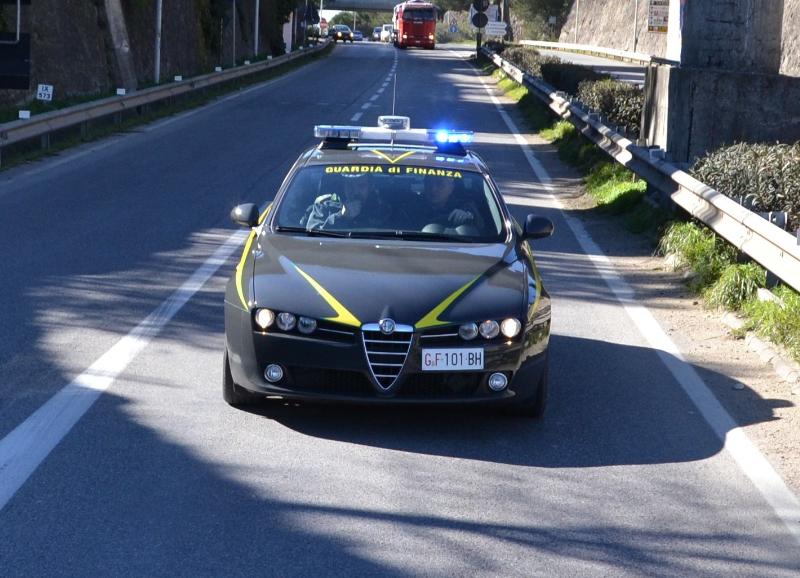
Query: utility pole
x=233, y=26
x=255, y=34
x=577, y=18
x=157, y=67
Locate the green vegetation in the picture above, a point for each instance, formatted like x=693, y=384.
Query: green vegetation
x=736, y=285
x=621, y=103
x=768, y=175
x=778, y=321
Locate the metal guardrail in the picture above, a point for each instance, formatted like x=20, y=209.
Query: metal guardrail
x=612, y=53
x=775, y=249
x=40, y=126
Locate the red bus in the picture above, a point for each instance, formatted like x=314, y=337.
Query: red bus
x=415, y=24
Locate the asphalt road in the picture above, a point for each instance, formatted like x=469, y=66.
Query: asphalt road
x=158, y=477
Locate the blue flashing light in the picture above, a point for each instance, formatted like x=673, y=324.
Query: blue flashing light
x=453, y=136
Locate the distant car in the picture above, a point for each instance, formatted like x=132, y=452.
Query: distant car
x=357, y=35
x=386, y=33
x=376, y=34
x=342, y=32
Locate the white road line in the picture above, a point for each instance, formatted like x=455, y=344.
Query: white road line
x=385, y=84
x=365, y=106
x=356, y=116
x=27, y=446
x=379, y=91
x=375, y=97
x=750, y=460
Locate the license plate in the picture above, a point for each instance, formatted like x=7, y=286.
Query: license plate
x=452, y=359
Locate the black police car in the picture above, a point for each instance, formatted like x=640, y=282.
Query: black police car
x=389, y=270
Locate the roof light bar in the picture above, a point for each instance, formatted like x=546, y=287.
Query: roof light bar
x=387, y=133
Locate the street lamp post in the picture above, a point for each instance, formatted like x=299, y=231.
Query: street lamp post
x=233, y=26
x=255, y=34
x=157, y=64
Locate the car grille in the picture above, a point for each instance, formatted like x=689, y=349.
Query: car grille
x=439, y=386
x=330, y=382
x=386, y=354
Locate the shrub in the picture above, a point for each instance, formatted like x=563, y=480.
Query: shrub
x=736, y=284
x=567, y=77
x=528, y=59
x=770, y=173
x=619, y=102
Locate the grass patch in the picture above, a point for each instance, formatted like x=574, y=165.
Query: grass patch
x=777, y=321
x=737, y=284
x=30, y=150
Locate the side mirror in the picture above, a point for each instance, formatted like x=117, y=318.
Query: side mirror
x=246, y=215
x=537, y=227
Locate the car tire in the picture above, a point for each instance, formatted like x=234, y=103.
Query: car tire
x=233, y=394
x=535, y=406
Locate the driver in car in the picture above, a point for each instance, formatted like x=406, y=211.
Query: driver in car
x=444, y=207
x=351, y=209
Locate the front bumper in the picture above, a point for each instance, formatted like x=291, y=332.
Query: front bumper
x=334, y=367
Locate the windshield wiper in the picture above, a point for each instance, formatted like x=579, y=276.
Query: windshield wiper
x=313, y=232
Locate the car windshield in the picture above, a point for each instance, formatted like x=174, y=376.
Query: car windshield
x=342, y=28
x=418, y=14
x=392, y=201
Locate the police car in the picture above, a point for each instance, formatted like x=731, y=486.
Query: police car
x=388, y=270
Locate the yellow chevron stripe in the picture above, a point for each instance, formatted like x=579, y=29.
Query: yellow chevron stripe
x=396, y=159
x=240, y=267
x=432, y=318
x=342, y=314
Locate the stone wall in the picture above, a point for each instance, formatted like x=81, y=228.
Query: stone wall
x=609, y=23
x=70, y=49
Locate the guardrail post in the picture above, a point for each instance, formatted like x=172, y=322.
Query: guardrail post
x=46, y=141
x=85, y=130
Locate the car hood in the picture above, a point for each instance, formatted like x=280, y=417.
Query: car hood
x=355, y=281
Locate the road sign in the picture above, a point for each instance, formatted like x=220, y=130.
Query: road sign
x=44, y=92
x=495, y=29
x=453, y=29
x=658, y=16
x=480, y=5
x=479, y=19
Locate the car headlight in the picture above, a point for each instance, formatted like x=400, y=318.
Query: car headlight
x=306, y=325
x=286, y=321
x=339, y=34
x=405, y=36
x=468, y=331
x=489, y=329
x=510, y=327
x=430, y=36
x=264, y=318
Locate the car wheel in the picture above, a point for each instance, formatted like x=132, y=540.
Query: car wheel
x=535, y=406
x=233, y=394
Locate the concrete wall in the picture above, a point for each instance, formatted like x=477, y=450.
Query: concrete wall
x=609, y=23
x=708, y=109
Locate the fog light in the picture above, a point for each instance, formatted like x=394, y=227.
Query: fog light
x=468, y=331
x=274, y=373
x=306, y=325
x=498, y=381
x=264, y=318
x=286, y=321
x=510, y=327
x=489, y=329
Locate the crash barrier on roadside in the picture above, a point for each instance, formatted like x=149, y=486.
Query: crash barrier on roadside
x=41, y=126
x=612, y=53
x=775, y=249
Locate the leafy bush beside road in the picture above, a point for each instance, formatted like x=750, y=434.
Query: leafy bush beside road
x=619, y=102
x=769, y=174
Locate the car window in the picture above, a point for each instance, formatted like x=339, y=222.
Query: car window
x=418, y=14
x=393, y=200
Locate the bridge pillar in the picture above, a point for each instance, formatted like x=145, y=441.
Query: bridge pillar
x=727, y=88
